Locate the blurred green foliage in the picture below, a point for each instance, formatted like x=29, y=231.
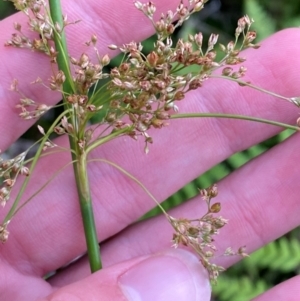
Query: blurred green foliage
x=6, y=9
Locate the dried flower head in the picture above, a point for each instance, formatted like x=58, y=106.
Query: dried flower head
x=3, y=232
x=199, y=233
x=141, y=93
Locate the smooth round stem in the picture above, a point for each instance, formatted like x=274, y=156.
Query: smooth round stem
x=93, y=248
x=254, y=87
x=78, y=156
x=234, y=116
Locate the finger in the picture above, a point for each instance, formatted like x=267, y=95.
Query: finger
x=288, y=291
x=18, y=286
x=167, y=275
x=259, y=199
x=112, y=26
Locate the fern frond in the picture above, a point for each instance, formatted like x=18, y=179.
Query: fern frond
x=238, y=289
x=281, y=255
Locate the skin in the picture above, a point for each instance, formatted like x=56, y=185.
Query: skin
x=260, y=199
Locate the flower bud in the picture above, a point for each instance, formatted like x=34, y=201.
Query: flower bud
x=24, y=171
x=112, y=47
x=84, y=60
x=105, y=60
x=199, y=39
x=179, y=95
x=94, y=39
x=152, y=58
x=227, y=71
x=163, y=115
x=212, y=40
x=215, y=208
x=251, y=35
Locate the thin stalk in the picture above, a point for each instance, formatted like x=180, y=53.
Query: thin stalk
x=293, y=100
x=107, y=138
x=79, y=158
x=32, y=166
x=233, y=116
x=87, y=213
x=132, y=177
x=41, y=188
x=61, y=45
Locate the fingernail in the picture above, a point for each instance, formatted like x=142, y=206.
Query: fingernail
x=170, y=275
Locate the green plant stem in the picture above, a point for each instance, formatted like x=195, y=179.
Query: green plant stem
x=87, y=214
x=41, y=188
x=32, y=166
x=61, y=45
x=254, y=87
x=233, y=116
x=107, y=138
x=79, y=158
x=133, y=178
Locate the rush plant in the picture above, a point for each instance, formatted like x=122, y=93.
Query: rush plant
x=144, y=92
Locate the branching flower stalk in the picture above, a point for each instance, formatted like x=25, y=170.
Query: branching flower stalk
x=11, y=169
x=195, y=233
x=198, y=233
x=76, y=139
x=142, y=93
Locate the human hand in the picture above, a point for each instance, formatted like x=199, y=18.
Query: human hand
x=260, y=199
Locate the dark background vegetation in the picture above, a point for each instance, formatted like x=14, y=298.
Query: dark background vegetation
x=279, y=260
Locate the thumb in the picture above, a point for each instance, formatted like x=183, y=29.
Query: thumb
x=169, y=275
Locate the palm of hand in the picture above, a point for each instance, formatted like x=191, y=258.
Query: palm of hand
x=47, y=234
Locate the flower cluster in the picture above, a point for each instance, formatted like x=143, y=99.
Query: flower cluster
x=86, y=72
x=147, y=87
x=9, y=171
x=168, y=22
x=3, y=232
x=198, y=233
x=143, y=91
x=30, y=109
x=38, y=22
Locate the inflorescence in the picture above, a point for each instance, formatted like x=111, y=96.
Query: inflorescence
x=142, y=93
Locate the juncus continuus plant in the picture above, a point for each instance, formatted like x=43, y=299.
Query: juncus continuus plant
x=144, y=92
